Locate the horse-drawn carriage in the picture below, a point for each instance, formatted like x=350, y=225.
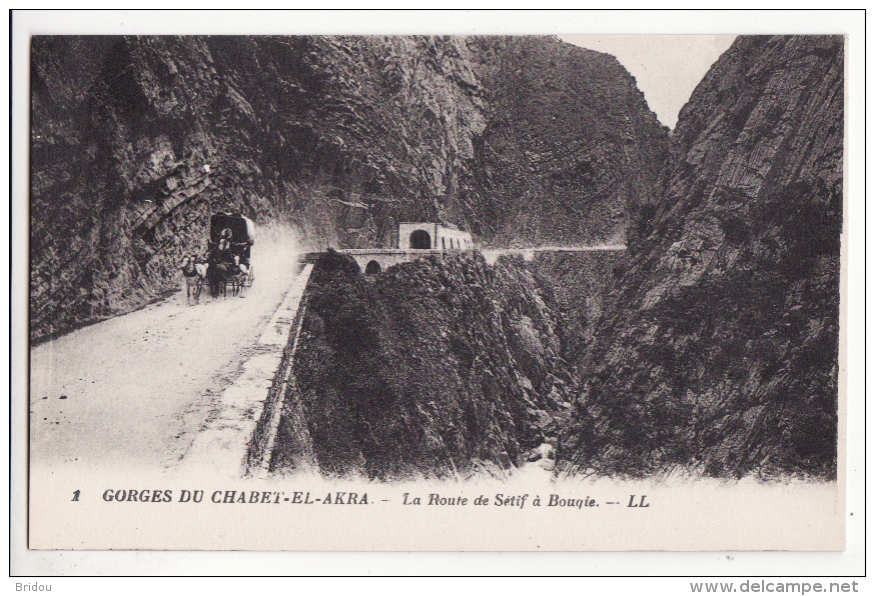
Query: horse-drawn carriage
x=226, y=268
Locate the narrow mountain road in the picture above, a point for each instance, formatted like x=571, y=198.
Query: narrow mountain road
x=135, y=390
x=492, y=254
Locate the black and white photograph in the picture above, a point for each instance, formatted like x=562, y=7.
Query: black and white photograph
x=484, y=292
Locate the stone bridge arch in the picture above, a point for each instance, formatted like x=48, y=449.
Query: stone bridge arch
x=373, y=267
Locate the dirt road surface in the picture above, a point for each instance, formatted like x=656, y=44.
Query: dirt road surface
x=133, y=391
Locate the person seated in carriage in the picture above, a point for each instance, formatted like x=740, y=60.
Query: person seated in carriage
x=222, y=262
x=229, y=246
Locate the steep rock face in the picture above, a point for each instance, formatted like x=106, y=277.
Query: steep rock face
x=571, y=150
x=584, y=289
x=136, y=140
x=722, y=354
x=124, y=173
x=433, y=368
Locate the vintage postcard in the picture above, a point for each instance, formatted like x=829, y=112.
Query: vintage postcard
x=437, y=293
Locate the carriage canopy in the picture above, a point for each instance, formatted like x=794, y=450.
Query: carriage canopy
x=242, y=228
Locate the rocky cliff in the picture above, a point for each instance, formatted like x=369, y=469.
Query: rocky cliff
x=439, y=367
x=570, y=148
x=721, y=356
x=136, y=140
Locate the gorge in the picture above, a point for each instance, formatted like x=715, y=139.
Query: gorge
x=709, y=345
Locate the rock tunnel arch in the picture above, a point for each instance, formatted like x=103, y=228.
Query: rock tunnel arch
x=420, y=240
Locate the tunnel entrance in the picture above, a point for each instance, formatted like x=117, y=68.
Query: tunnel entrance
x=372, y=268
x=420, y=240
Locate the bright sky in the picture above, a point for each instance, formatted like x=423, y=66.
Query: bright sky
x=667, y=67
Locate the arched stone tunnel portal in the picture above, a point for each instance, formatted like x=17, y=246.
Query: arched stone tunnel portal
x=420, y=240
